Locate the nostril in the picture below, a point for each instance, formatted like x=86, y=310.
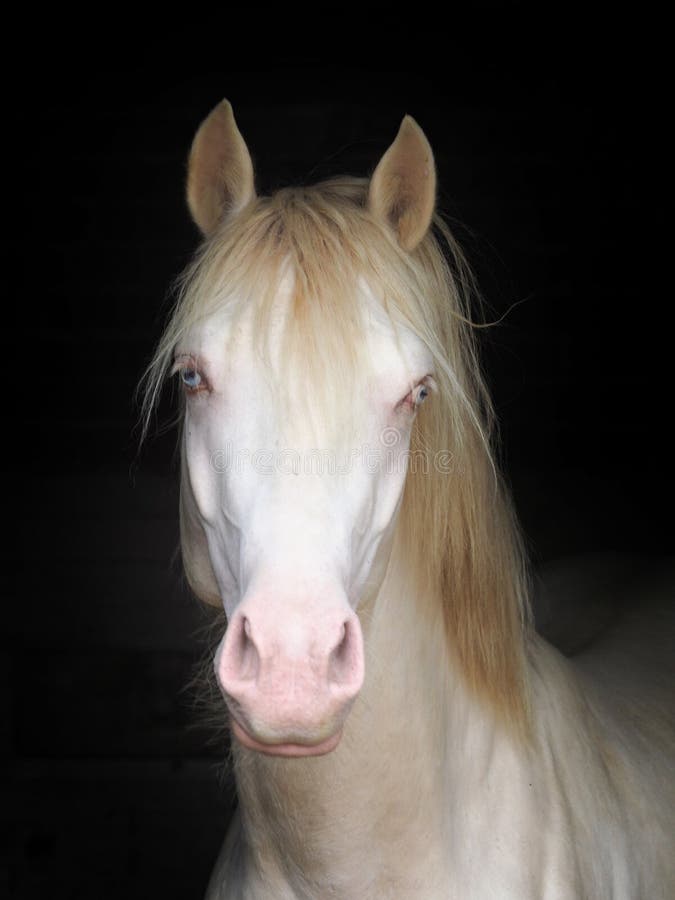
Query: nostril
x=240, y=660
x=249, y=658
x=342, y=649
x=345, y=666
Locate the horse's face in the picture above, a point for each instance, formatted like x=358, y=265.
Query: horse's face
x=277, y=521
x=297, y=523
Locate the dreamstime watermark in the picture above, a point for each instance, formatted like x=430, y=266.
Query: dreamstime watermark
x=387, y=457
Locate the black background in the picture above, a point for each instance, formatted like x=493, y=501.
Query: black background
x=546, y=133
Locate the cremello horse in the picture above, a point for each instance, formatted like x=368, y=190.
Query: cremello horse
x=399, y=731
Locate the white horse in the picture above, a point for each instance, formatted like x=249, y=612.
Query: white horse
x=399, y=730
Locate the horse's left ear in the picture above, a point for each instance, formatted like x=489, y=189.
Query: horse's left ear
x=403, y=187
x=220, y=172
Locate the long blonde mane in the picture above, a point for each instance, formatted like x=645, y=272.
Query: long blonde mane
x=457, y=525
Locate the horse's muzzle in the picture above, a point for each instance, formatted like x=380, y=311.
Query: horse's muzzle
x=289, y=681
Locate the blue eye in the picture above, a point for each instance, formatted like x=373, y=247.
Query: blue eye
x=421, y=395
x=416, y=397
x=191, y=379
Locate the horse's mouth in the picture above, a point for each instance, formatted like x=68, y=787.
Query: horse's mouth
x=284, y=748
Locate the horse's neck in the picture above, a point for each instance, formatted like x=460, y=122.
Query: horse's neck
x=413, y=734
x=427, y=795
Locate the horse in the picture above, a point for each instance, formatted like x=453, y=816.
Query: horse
x=399, y=729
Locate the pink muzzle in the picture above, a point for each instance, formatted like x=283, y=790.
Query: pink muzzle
x=289, y=678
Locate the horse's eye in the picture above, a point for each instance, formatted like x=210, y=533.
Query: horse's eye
x=416, y=397
x=420, y=394
x=191, y=379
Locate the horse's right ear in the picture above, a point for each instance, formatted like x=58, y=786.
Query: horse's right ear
x=220, y=171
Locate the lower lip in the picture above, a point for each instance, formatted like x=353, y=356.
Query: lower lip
x=287, y=750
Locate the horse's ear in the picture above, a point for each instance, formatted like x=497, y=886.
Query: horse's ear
x=220, y=171
x=403, y=187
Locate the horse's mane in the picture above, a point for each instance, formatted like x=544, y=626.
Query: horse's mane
x=457, y=525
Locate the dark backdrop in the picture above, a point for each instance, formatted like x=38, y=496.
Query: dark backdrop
x=545, y=143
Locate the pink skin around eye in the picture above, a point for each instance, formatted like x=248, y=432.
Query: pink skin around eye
x=406, y=403
x=183, y=361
